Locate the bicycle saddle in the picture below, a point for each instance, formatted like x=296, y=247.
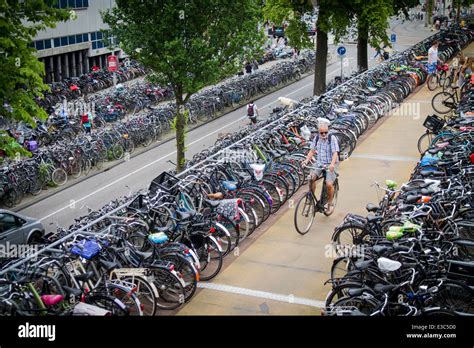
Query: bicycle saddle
x=158, y=238
x=184, y=215
x=51, y=300
x=230, y=185
x=371, y=207
x=380, y=249
x=412, y=198
x=358, y=291
x=387, y=265
x=84, y=276
x=373, y=218
x=108, y=265
x=426, y=173
x=72, y=291
x=361, y=265
x=384, y=288
x=211, y=203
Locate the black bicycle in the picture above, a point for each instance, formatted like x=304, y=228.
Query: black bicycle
x=309, y=205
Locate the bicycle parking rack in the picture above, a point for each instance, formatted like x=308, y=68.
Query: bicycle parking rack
x=109, y=215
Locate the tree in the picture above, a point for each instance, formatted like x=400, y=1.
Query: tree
x=188, y=44
x=372, y=19
x=21, y=73
x=332, y=18
x=460, y=3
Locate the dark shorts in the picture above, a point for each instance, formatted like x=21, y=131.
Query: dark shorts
x=253, y=120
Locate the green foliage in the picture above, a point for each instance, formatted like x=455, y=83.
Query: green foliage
x=11, y=147
x=21, y=74
x=188, y=44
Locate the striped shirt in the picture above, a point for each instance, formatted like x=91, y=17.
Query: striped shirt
x=323, y=148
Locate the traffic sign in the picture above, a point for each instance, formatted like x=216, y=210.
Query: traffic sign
x=341, y=50
x=393, y=38
x=112, y=63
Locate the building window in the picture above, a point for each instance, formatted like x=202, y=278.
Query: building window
x=85, y=37
x=57, y=42
x=94, y=45
x=47, y=44
x=93, y=36
x=79, y=38
x=64, y=41
x=71, y=3
x=39, y=45
x=72, y=39
x=62, y=3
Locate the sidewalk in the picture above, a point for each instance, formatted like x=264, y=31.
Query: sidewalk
x=281, y=272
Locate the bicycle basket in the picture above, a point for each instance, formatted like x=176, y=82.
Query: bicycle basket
x=434, y=123
x=166, y=182
x=86, y=248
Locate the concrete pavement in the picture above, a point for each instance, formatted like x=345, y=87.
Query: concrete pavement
x=278, y=271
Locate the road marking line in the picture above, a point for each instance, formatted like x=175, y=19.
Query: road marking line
x=386, y=158
x=262, y=294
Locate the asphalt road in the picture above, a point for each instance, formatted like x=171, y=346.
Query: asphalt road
x=137, y=173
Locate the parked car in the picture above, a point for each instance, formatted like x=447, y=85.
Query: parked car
x=19, y=229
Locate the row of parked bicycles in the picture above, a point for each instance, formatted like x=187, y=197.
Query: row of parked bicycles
x=69, y=155
x=144, y=254
x=90, y=82
x=413, y=254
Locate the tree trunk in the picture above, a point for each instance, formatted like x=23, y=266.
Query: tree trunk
x=458, y=10
x=320, y=63
x=180, y=126
x=429, y=12
x=362, y=59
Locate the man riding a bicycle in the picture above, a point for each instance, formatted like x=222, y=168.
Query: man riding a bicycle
x=327, y=149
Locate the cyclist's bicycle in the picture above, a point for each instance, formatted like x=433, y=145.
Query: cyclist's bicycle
x=437, y=79
x=309, y=205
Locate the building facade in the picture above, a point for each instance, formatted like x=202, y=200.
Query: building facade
x=75, y=46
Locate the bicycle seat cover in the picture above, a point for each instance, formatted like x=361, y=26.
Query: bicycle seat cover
x=258, y=170
x=158, y=238
x=51, y=300
x=230, y=185
x=387, y=265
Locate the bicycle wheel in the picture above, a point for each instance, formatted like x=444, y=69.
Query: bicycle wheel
x=76, y=168
x=109, y=303
x=59, y=177
x=432, y=82
x=424, y=142
x=447, y=85
x=145, y=292
x=305, y=212
x=345, y=237
x=86, y=166
x=117, y=151
x=244, y=223
x=127, y=297
x=443, y=102
x=210, y=257
x=170, y=289
x=184, y=266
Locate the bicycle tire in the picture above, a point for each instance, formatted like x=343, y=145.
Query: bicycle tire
x=59, y=177
x=308, y=202
x=424, y=142
x=440, y=100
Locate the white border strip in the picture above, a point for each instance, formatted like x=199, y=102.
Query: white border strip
x=291, y=299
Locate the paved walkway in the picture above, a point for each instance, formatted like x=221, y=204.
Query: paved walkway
x=280, y=272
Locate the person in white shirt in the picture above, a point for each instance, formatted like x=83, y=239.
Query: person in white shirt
x=433, y=57
x=252, y=113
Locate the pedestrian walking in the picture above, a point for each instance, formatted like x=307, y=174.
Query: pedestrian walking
x=248, y=68
x=252, y=113
x=86, y=121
